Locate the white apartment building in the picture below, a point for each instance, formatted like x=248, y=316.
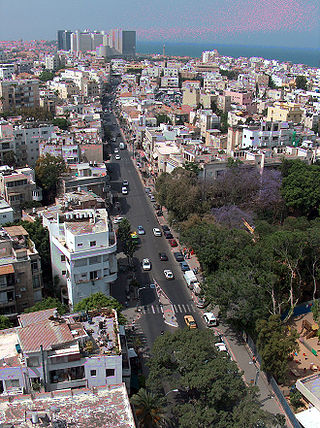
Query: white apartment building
x=73, y=351
x=210, y=81
x=268, y=134
x=6, y=71
x=83, y=251
x=169, y=82
x=6, y=212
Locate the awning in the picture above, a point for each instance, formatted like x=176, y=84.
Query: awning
x=5, y=270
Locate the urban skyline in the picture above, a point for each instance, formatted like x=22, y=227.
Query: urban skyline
x=268, y=23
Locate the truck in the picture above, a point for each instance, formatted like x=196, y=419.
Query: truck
x=122, y=146
x=191, y=279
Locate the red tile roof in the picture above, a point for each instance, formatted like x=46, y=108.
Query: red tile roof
x=35, y=317
x=46, y=333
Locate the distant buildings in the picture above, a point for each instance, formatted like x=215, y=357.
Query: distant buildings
x=15, y=94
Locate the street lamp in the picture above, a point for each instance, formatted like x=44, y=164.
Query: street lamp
x=172, y=390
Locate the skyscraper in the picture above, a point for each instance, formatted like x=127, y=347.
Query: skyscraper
x=128, y=43
x=64, y=40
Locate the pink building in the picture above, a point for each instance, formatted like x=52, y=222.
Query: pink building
x=243, y=98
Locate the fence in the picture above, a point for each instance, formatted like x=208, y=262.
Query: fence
x=275, y=387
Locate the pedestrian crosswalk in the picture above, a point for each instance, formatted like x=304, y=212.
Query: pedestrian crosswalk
x=177, y=308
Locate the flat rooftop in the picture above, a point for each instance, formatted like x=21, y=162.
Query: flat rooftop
x=105, y=407
x=8, y=341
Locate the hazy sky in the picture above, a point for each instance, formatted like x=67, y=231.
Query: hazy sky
x=254, y=22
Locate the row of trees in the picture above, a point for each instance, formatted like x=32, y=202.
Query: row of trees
x=209, y=388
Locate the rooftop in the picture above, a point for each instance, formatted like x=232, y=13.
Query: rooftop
x=104, y=407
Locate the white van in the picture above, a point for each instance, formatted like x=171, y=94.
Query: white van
x=210, y=319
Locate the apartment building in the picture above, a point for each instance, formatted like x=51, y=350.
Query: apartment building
x=15, y=94
x=242, y=98
x=61, y=146
x=83, y=250
x=287, y=112
x=6, y=212
x=7, y=142
x=74, y=351
x=18, y=186
x=20, y=271
x=7, y=71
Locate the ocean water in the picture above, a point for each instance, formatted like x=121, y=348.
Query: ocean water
x=306, y=56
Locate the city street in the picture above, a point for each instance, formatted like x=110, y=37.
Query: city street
x=149, y=321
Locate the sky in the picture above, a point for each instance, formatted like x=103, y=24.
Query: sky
x=288, y=23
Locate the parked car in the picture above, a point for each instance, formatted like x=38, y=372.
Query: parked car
x=221, y=347
x=168, y=274
x=157, y=207
x=124, y=190
x=116, y=150
x=159, y=213
x=173, y=243
x=148, y=190
x=165, y=228
x=189, y=320
x=210, y=319
x=156, y=231
x=163, y=257
x=178, y=256
x=201, y=303
x=117, y=157
x=125, y=183
x=152, y=198
x=118, y=219
x=146, y=264
x=168, y=234
x=140, y=230
x=184, y=266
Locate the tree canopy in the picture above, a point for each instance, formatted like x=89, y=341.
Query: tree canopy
x=62, y=123
x=48, y=170
x=4, y=322
x=100, y=300
x=48, y=303
x=212, y=392
x=46, y=75
x=301, y=82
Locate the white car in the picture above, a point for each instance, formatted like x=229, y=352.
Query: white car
x=221, y=347
x=116, y=150
x=210, y=319
x=168, y=274
x=146, y=264
x=117, y=157
x=156, y=231
x=124, y=190
x=118, y=219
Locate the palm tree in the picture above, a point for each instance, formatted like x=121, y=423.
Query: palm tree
x=148, y=409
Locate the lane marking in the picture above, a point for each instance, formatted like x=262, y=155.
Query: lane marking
x=184, y=308
x=153, y=309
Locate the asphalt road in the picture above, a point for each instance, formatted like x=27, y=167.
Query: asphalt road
x=138, y=209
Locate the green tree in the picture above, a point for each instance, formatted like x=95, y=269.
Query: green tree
x=275, y=343
x=4, y=322
x=48, y=303
x=212, y=390
x=9, y=158
x=148, y=408
x=128, y=245
x=163, y=118
x=301, y=82
x=62, y=123
x=46, y=75
x=98, y=301
x=48, y=170
x=271, y=83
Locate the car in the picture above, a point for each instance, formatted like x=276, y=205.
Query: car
x=148, y=190
x=168, y=234
x=152, y=198
x=184, y=266
x=125, y=183
x=189, y=320
x=178, y=256
x=117, y=157
x=140, y=230
x=124, y=190
x=146, y=264
x=165, y=228
x=201, y=303
x=156, y=231
x=168, y=274
x=173, y=243
x=157, y=207
x=118, y=219
x=163, y=257
x=138, y=164
x=159, y=213
x=116, y=150
x=135, y=237
x=221, y=346
x=210, y=319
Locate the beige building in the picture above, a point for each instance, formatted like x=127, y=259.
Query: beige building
x=15, y=94
x=191, y=96
x=285, y=112
x=20, y=271
x=234, y=138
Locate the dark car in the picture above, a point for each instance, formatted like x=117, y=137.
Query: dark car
x=173, y=243
x=157, y=207
x=159, y=213
x=168, y=235
x=165, y=228
x=163, y=257
x=184, y=266
x=178, y=256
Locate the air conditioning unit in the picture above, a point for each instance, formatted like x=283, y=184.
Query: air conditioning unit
x=23, y=289
x=18, y=295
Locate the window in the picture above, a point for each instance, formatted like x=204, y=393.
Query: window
x=63, y=258
x=109, y=372
x=12, y=383
x=80, y=263
x=63, y=272
x=94, y=275
x=94, y=260
x=34, y=265
x=36, y=282
x=93, y=243
x=93, y=372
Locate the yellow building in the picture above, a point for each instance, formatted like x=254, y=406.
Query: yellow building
x=286, y=112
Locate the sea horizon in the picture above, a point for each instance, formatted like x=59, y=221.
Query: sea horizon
x=307, y=56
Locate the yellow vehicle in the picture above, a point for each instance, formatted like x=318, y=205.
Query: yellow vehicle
x=189, y=320
x=134, y=236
